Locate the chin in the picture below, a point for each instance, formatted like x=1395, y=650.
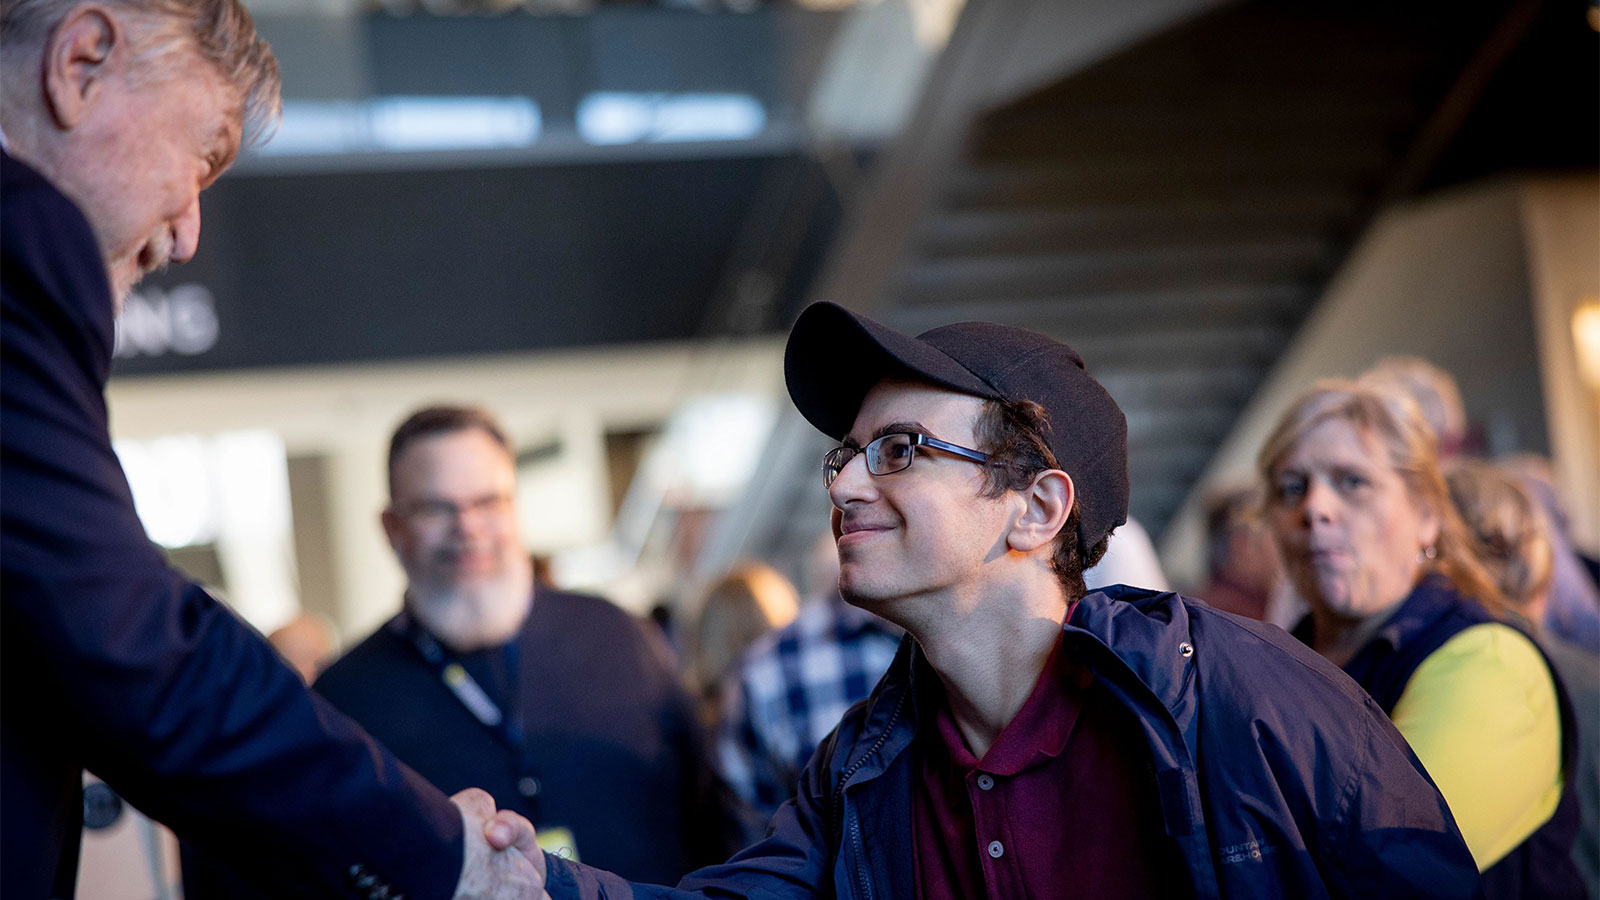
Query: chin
x=866, y=596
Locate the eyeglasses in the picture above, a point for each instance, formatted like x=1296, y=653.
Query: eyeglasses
x=439, y=514
x=891, y=453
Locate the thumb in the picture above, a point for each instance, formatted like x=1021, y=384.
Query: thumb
x=507, y=829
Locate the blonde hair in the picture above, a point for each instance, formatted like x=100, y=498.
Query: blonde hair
x=750, y=601
x=220, y=30
x=1507, y=526
x=1412, y=452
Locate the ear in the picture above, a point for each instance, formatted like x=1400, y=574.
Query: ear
x=1429, y=526
x=394, y=527
x=1048, y=502
x=77, y=59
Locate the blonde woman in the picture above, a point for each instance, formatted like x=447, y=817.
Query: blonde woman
x=1400, y=601
x=750, y=601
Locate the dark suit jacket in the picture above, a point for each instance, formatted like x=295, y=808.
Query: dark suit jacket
x=112, y=661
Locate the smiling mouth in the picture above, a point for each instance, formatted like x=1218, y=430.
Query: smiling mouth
x=856, y=532
x=849, y=527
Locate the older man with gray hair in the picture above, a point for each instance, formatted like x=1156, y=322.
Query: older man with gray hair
x=116, y=114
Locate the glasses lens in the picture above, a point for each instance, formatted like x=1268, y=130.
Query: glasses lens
x=833, y=463
x=890, y=453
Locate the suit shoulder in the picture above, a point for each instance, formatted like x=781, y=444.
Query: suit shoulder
x=588, y=610
x=53, y=274
x=605, y=633
x=38, y=217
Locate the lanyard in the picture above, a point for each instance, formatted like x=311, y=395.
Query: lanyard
x=468, y=692
x=506, y=728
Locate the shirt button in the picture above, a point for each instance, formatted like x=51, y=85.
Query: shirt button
x=528, y=786
x=986, y=781
x=996, y=849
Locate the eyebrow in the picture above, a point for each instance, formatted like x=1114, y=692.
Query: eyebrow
x=891, y=428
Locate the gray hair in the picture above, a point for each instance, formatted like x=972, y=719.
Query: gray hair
x=1431, y=388
x=221, y=30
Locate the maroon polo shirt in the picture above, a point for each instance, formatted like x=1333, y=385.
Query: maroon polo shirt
x=1062, y=805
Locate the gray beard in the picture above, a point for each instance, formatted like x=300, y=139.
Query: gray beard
x=471, y=618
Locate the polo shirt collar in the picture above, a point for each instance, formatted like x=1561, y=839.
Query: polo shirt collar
x=1036, y=734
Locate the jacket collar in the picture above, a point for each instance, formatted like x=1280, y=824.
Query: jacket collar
x=1431, y=600
x=1147, y=630
x=1119, y=631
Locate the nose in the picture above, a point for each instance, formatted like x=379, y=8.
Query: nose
x=186, y=232
x=853, y=483
x=1318, y=505
x=473, y=522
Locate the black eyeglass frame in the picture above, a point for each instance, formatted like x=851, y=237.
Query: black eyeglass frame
x=834, y=461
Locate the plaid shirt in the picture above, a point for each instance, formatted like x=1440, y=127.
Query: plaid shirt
x=792, y=688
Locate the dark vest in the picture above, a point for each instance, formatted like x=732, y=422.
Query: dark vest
x=1541, y=866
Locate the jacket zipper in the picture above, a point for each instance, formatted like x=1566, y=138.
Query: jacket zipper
x=861, y=853
x=838, y=794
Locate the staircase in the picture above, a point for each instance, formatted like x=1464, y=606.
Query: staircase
x=1172, y=211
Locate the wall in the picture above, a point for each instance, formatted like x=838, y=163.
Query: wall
x=1445, y=278
x=344, y=415
x=1562, y=218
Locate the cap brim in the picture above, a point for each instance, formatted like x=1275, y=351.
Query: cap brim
x=834, y=357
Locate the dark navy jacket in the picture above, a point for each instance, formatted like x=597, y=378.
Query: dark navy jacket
x=1541, y=866
x=1278, y=776
x=111, y=661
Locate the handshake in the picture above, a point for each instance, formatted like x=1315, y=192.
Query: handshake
x=503, y=860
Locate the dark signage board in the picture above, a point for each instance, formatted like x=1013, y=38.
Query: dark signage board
x=342, y=267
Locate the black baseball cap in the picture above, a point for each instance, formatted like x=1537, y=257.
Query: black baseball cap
x=835, y=356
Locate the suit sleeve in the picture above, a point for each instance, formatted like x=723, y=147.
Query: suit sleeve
x=181, y=707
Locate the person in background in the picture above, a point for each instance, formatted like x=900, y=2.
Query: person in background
x=1513, y=538
x=1130, y=559
x=1399, y=600
x=561, y=705
x=1573, y=607
x=749, y=602
x=1574, y=587
x=1434, y=392
x=1243, y=563
x=114, y=116
x=794, y=684
x=306, y=643
x=1032, y=737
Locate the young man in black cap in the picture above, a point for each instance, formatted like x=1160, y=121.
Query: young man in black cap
x=1030, y=740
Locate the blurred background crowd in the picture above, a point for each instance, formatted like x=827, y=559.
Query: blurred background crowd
x=585, y=226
